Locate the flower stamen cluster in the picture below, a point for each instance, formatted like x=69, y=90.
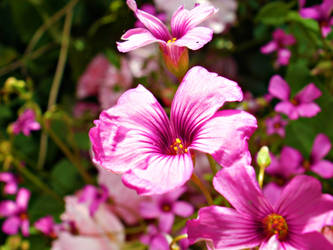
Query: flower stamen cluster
x=275, y=224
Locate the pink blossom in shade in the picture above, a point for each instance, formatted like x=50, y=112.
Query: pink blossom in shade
x=10, y=182
x=102, y=231
x=150, y=9
x=280, y=44
x=276, y=125
x=120, y=196
x=26, y=123
x=155, y=239
x=89, y=108
x=47, y=226
x=218, y=23
x=301, y=105
x=136, y=137
x=254, y=221
x=287, y=165
x=164, y=208
x=321, y=147
x=16, y=213
x=93, y=77
x=93, y=196
x=321, y=13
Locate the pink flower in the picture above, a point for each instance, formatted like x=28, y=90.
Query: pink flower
x=150, y=9
x=321, y=13
x=16, y=213
x=301, y=105
x=184, y=33
x=93, y=196
x=102, y=231
x=120, y=195
x=88, y=108
x=10, y=182
x=136, y=137
x=155, y=239
x=279, y=44
x=287, y=165
x=272, y=192
x=47, y=226
x=26, y=123
x=276, y=125
x=165, y=207
x=254, y=221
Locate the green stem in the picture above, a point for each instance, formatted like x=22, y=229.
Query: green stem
x=202, y=188
x=56, y=82
x=35, y=180
x=261, y=176
x=176, y=239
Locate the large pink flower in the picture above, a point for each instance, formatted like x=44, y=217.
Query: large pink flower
x=301, y=105
x=184, y=33
x=254, y=221
x=136, y=137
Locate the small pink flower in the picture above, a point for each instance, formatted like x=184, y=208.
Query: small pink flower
x=165, y=207
x=276, y=125
x=26, y=123
x=10, y=182
x=321, y=13
x=155, y=239
x=301, y=105
x=279, y=44
x=93, y=196
x=16, y=213
x=47, y=226
x=254, y=221
x=136, y=137
x=184, y=34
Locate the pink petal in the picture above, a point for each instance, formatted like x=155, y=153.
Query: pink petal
x=149, y=209
x=225, y=137
x=225, y=227
x=308, y=109
x=25, y=227
x=279, y=88
x=183, y=209
x=312, y=12
x=166, y=221
x=323, y=168
x=196, y=101
x=272, y=192
x=183, y=20
x=283, y=56
x=272, y=244
x=316, y=240
x=298, y=200
x=8, y=208
x=11, y=225
x=269, y=47
x=290, y=162
x=136, y=38
x=163, y=173
x=239, y=186
x=308, y=94
x=195, y=38
x=152, y=23
x=22, y=198
x=125, y=133
x=287, y=108
x=321, y=147
x=159, y=242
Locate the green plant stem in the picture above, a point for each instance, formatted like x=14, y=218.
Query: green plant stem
x=67, y=152
x=35, y=180
x=56, y=83
x=261, y=176
x=202, y=188
x=212, y=164
x=176, y=239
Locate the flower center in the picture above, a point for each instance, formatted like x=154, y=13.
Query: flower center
x=275, y=224
x=166, y=208
x=294, y=102
x=277, y=125
x=178, y=147
x=23, y=216
x=172, y=40
x=306, y=165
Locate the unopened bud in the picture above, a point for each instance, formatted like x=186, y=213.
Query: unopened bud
x=263, y=157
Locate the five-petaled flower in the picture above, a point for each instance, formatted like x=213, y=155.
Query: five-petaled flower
x=254, y=221
x=184, y=34
x=301, y=105
x=136, y=137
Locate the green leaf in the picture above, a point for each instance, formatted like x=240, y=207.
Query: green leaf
x=42, y=205
x=82, y=140
x=274, y=13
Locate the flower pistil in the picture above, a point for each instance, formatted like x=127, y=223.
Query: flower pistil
x=275, y=224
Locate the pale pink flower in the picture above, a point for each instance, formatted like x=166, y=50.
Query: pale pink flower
x=16, y=213
x=276, y=125
x=301, y=105
x=254, y=221
x=136, y=137
x=280, y=44
x=26, y=123
x=10, y=181
x=81, y=108
x=93, y=196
